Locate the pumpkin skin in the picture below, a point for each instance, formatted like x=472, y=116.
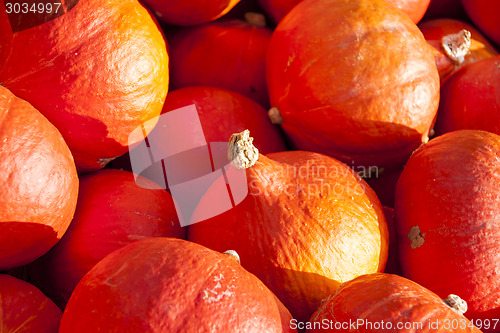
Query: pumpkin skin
x=186, y=13
x=308, y=224
x=38, y=180
x=470, y=99
x=96, y=72
x=480, y=48
x=372, y=101
x=277, y=9
x=448, y=219
x=228, y=54
x=390, y=299
x=484, y=14
x=112, y=212
x=25, y=309
x=188, y=288
x=223, y=112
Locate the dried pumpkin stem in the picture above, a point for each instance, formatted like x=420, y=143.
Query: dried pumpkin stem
x=233, y=254
x=275, y=116
x=256, y=19
x=456, y=303
x=241, y=151
x=456, y=46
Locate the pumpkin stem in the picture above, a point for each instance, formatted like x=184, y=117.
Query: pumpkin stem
x=241, y=151
x=275, y=115
x=233, y=254
x=456, y=303
x=256, y=19
x=456, y=46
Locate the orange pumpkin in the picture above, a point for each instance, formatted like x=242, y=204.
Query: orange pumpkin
x=355, y=80
x=309, y=223
x=38, y=181
x=96, y=72
x=171, y=285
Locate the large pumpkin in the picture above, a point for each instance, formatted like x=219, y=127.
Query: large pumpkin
x=448, y=219
x=484, y=14
x=38, y=181
x=309, y=223
x=229, y=54
x=193, y=12
x=171, y=285
x=25, y=309
x=96, y=73
x=353, y=79
x=470, y=99
x=389, y=303
x=112, y=212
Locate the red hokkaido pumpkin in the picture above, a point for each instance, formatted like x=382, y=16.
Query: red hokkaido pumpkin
x=229, y=54
x=96, y=73
x=354, y=80
x=484, y=14
x=112, y=212
x=25, y=309
x=448, y=219
x=389, y=303
x=470, y=99
x=308, y=223
x=181, y=12
x=38, y=180
x=466, y=49
x=171, y=285
x=277, y=9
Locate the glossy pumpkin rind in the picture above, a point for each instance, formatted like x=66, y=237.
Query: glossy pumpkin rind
x=484, y=14
x=112, y=212
x=38, y=180
x=25, y=309
x=170, y=285
x=355, y=80
x=447, y=219
x=308, y=224
x=388, y=300
x=96, y=72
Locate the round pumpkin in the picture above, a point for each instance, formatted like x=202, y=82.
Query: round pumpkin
x=193, y=12
x=470, y=99
x=448, y=219
x=484, y=14
x=355, y=80
x=308, y=223
x=25, y=309
x=456, y=47
x=112, y=211
x=171, y=285
x=277, y=9
x=96, y=72
x=229, y=54
x=38, y=180
x=389, y=303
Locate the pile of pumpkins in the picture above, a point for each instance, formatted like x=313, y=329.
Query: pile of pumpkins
x=391, y=224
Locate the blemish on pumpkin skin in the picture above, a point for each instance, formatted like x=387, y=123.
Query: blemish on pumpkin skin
x=415, y=237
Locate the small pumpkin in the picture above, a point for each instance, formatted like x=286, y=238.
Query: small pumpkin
x=484, y=14
x=448, y=219
x=170, y=285
x=25, y=309
x=355, y=80
x=228, y=54
x=38, y=180
x=470, y=99
x=382, y=302
x=193, y=12
x=308, y=223
x=112, y=211
x=96, y=72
